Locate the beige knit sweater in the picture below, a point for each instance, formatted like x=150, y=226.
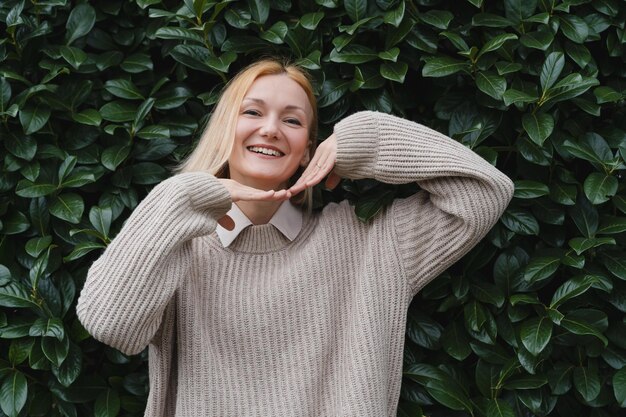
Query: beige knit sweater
x=268, y=327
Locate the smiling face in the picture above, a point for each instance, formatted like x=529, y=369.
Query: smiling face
x=272, y=134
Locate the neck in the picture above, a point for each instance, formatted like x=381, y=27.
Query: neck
x=259, y=212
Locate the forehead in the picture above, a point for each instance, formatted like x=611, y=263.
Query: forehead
x=279, y=90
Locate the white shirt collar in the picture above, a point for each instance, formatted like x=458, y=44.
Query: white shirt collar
x=287, y=219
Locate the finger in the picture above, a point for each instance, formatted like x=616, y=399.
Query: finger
x=325, y=166
x=316, y=166
x=227, y=222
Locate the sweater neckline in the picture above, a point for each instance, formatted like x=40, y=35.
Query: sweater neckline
x=265, y=238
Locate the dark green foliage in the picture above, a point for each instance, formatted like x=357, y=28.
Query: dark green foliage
x=98, y=99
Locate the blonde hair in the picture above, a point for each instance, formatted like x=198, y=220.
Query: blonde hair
x=216, y=143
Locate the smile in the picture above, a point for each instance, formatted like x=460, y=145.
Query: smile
x=265, y=151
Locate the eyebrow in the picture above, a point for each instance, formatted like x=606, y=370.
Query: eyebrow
x=288, y=107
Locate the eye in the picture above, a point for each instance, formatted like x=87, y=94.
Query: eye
x=293, y=121
x=251, y=112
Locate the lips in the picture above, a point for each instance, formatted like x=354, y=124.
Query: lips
x=265, y=150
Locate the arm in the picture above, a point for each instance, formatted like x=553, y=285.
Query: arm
x=129, y=286
x=462, y=195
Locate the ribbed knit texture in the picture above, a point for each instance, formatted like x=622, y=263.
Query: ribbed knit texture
x=269, y=327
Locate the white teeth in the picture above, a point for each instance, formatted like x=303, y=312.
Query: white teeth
x=265, y=151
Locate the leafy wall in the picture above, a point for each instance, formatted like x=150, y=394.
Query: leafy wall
x=98, y=99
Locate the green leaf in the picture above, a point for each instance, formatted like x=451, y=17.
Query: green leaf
x=539, y=126
x=541, y=268
x=353, y=54
x=310, y=20
x=221, y=63
x=68, y=207
x=423, y=330
x=438, y=18
x=276, y=34
x=579, y=54
x=123, y=89
x=51, y=327
x=118, y=111
x=537, y=40
x=14, y=295
x=572, y=288
x=371, y=204
x=455, y=341
x=148, y=173
x=569, y=87
x=394, y=17
x=70, y=369
x=179, y=33
x=619, y=387
x=518, y=10
x=615, y=262
x=5, y=275
x=491, y=20
x=137, y=63
x=259, y=9
x=356, y=9
x=390, y=55
x=29, y=189
x=15, y=223
x=332, y=91
x=107, y=404
x=311, y=61
x=495, y=43
x=108, y=59
x=606, y=94
x=13, y=393
x=80, y=22
x=600, y=187
x=612, y=224
x=394, y=71
x=143, y=111
x=443, y=66
x=450, y=394
x=504, y=68
x=585, y=216
x=73, y=56
x=587, y=382
x=89, y=117
x=499, y=408
x=591, y=147
x=154, y=132
x=491, y=84
x=83, y=249
x=34, y=116
x=530, y=189
x=551, y=69
x=526, y=382
x=112, y=157
x=56, y=351
x=20, y=349
x=581, y=244
x=513, y=96
x=36, y=245
x=587, y=322
x=520, y=222
x=574, y=28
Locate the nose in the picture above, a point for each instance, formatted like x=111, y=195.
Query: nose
x=270, y=127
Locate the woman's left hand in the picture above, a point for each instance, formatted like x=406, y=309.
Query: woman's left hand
x=321, y=165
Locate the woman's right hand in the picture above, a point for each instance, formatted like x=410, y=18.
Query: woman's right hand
x=239, y=192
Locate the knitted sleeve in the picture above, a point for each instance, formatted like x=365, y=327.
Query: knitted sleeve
x=129, y=286
x=461, y=197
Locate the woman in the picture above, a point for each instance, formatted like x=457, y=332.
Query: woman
x=278, y=311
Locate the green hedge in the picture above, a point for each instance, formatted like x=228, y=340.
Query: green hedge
x=98, y=99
